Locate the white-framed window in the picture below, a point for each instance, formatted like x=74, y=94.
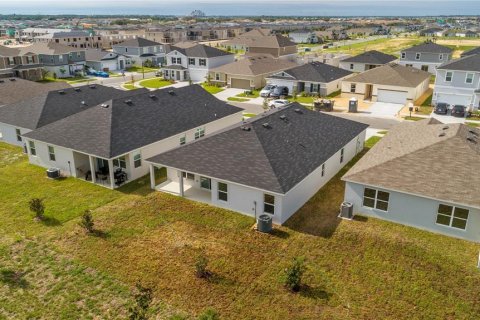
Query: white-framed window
x=51, y=153
x=33, y=150
x=268, y=203
x=404, y=55
x=469, y=78
x=448, y=76
x=323, y=170
x=452, y=216
x=199, y=133
x=191, y=61
x=418, y=56
x=222, y=191
x=188, y=175
x=10, y=60
x=351, y=66
x=183, y=140
x=353, y=88
x=120, y=162
x=205, y=183
x=166, y=73
x=440, y=56
x=342, y=153
x=60, y=57
x=137, y=160
x=29, y=59
x=19, y=134
x=202, y=62
x=376, y=199
x=217, y=76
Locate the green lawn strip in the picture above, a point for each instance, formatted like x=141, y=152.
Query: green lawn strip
x=428, y=101
x=155, y=83
x=413, y=118
x=251, y=94
x=212, y=89
x=129, y=86
x=473, y=124
x=382, y=132
x=237, y=99
x=303, y=100
x=334, y=94
x=140, y=70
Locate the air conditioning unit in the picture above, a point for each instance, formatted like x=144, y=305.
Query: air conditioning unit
x=346, y=211
x=53, y=173
x=264, y=223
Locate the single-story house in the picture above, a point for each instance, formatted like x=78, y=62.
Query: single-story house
x=250, y=72
x=271, y=164
x=431, y=32
x=392, y=83
x=13, y=90
x=107, y=143
x=421, y=174
x=366, y=61
x=315, y=78
x=102, y=60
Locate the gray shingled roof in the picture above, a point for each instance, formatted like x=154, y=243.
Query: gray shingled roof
x=137, y=43
x=315, y=72
x=20, y=89
x=467, y=63
x=123, y=127
x=429, y=47
x=371, y=57
x=275, y=158
x=393, y=75
x=200, y=51
x=52, y=106
x=425, y=159
x=471, y=52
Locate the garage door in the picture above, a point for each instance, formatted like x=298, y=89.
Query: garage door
x=454, y=99
x=392, y=96
x=240, y=83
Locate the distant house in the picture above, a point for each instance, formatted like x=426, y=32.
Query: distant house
x=391, y=83
x=194, y=62
x=471, y=52
x=313, y=78
x=457, y=82
x=426, y=56
x=366, y=61
x=142, y=51
x=14, y=90
x=240, y=41
x=304, y=36
x=471, y=34
x=431, y=32
x=19, y=62
x=107, y=143
x=106, y=60
x=275, y=45
x=272, y=164
x=29, y=34
x=59, y=60
x=76, y=39
x=409, y=177
x=250, y=72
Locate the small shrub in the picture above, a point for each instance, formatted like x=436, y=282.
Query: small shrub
x=294, y=273
x=143, y=298
x=201, y=266
x=87, y=221
x=209, y=314
x=36, y=206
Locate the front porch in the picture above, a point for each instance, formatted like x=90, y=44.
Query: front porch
x=175, y=72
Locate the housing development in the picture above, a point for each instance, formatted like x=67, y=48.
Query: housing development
x=239, y=167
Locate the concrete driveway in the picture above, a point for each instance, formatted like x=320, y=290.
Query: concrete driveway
x=447, y=118
x=384, y=109
x=229, y=92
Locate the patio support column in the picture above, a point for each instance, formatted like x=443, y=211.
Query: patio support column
x=182, y=192
x=152, y=177
x=110, y=171
x=92, y=169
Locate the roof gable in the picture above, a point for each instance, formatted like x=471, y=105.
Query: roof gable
x=315, y=72
x=371, y=57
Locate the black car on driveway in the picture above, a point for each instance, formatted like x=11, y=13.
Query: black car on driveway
x=458, y=111
x=441, y=108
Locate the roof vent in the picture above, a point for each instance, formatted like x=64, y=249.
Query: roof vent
x=442, y=134
x=92, y=86
x=13, y=79
x=61, y=91
x=283, y=117
x=152, y=96
x=298, y=110
x=104, y=105
x=83, y=103
x=244, y=128
x=129, y=102
x=445, y=128
x=266, y=125
x=472, y=139
x=171, y=92
x=77, y=89
x=475, y=133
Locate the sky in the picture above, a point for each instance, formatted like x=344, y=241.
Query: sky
x=245, y=7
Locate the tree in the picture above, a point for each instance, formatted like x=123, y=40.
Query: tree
x=62, y=70
x=294, y=273
x=36, y=206
x=209, y=314
x=44, y=73
x=201, y=266
x=143, y=298
x=87, y=221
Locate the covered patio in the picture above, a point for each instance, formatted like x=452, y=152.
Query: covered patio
x=104, y=172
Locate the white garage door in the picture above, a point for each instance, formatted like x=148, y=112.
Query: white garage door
x=392, y=96
x=454, y=99
x=110, y=65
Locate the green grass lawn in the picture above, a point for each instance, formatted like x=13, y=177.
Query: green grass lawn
x=302, y=100
x=473, y=124
x=139, y=69
x=254, y=94
x=386, y=45
x=155, y=83
x=70, y=80
x=361, y=269
x=212, y=89
x=413, y=118
x=129, y=86
x=237, y=99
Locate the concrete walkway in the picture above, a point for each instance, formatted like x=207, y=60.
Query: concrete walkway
x=227, y=93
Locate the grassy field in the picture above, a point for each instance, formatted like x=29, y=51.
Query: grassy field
x=212, y=89
x=155, y=83
x=361, y=269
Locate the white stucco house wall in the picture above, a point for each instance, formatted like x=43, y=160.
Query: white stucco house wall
x=426, y=56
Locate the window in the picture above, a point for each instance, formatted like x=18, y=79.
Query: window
x=417, y=56
x=217, y=76
x=60, y=58
x=191, y=61
x=120, y=162
x=452, y=216
x=376, y=199
x=342, y=153
x=404, y=55
x=323, y=170
x=205, y=183
x=202, y=62
x=448, y=76
x=353, y=88
x=222, y=191
x=33, y=151
x=424, y=68
x=79, y=54
x=268, y=203
x=19, y=134
x=314, y=87
x=188, y=175
x=183, y=140
x=409, y=65
x=351, y=66
x=137, y=160
x=440, y=56
x=29, y=59
x=51, y=153
x=166, y=73
x=199, y=133
x=469, y=78
x=174, y=60
x=10, y=61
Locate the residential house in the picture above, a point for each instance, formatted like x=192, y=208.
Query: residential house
x=76, y=39
x=416, y=175
x=248, y=73
x=59, y=60
x=312, y=78
x=28, y=34
x=426, y=56
x=98, y=59
x=272, y=164
x=19, y=62
x=276, y=45
x=108, y=142
x=470, y=52
x=194, y=62
x=431, y=32
x=142, y=51
x=366, y=61
x=240, y=42
x=304, y=36
x=471, y=34
x=166, y=35
x=391, y=83
x=13, y=90
x=458, y=82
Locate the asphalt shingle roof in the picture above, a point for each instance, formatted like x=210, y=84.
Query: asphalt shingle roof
x=467, y=63
x=425, y=159
x=273, y=158
x=134, y=121
x=200, y=51
x=429, y=47
x=20, y=89
x=393, y=75
x=371, y=57
x=471, y=52
x=137, y=43
x=255, y=65
x=315, y=72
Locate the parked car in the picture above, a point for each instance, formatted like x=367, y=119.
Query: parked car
x=441, y=108
x=265, y=92
x=279, y=91
x=458, y=111
x=278, y=103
